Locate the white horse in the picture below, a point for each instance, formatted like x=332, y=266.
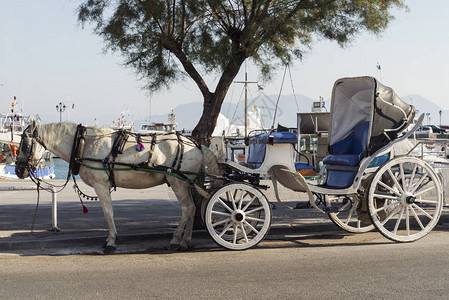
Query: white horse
x=166, y=153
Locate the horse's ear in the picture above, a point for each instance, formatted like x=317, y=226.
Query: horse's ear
x=33, y=126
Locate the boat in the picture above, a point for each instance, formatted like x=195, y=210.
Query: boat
x=12, y=125
x=160, y=128
x=122, y=121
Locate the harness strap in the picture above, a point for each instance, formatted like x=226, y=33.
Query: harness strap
x=117, y=148
x=151, y=151
x=179, y=153
x=77, y=150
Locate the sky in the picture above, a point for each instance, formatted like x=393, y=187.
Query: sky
x=46, y=57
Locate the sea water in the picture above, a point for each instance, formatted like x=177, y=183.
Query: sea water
x=61, y=169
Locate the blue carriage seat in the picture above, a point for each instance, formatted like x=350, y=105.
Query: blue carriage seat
x=352, y=149
x=257, y=146
x=343, y=164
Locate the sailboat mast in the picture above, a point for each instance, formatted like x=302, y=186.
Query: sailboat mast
x=246, y=96
x=246, y=100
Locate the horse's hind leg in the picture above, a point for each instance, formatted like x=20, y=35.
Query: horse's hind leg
x=104, y=195
x=183, y=233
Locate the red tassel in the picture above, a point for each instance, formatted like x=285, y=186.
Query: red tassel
x=85, y=210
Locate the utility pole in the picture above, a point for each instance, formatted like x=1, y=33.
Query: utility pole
x=246, y=96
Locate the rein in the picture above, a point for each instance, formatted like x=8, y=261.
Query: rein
x=109, y=163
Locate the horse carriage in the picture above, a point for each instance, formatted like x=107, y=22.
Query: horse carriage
x=366, y=175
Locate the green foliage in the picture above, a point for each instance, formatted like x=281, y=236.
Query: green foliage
x=156, y=36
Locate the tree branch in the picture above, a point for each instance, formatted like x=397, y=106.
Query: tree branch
x=190, y=69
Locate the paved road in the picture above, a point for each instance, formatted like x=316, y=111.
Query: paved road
x=330, y=266
x=304, y=256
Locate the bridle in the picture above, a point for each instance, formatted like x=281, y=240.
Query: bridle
x=30, y=133
x=27, y=163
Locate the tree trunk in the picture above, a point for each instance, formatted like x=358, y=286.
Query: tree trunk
x=213, y=102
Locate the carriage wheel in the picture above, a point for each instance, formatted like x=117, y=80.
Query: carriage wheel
x=345, y=215
x=238, y=216
x=405, y=199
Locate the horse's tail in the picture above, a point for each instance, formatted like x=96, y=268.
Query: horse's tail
x=210, y=163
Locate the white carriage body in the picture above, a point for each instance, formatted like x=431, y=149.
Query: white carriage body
x=368, y=127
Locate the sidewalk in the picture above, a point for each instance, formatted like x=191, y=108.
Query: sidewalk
x=140, y=215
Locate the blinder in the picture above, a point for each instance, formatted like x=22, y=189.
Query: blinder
x=27, y=149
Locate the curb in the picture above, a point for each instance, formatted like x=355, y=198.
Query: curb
x=30, y=242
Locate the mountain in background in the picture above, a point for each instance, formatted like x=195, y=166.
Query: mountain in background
x=423, y=105
x=187, y=115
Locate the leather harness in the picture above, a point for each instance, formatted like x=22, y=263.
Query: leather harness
x=118, y=145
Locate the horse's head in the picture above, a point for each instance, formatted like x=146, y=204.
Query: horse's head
x=30, y=152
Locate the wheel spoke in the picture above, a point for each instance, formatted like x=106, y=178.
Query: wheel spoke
x=234, y=241
x=221, y=222
x=426, y=201
x=412, y=177
x=398, y=221
x=418, y=184
x=249, y=203
x=389, y=188
x=394, y=212
x=386, y=196
x=251, y=226
x=254, y=210
x=396, y=182
x=221, y=213
x=344, y=207
x=422, y=210
x=351, y=212
x=225, y=229
x=386, y=206
x=407, y=220
x=241, y=200
x=254, y=219
x=417, y=218
x=244, y=233
x=401, y=171
x=231, y=198
x=225, y=205
x=424, y=191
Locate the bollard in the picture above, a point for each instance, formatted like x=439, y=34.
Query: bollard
x=54, y=202
x=54, y=211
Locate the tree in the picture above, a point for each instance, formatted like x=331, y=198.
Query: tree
x=166, y=40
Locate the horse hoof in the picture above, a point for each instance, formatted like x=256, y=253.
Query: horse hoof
x=178, y=247
x=174, y=247
x=108, y=250
x=183, y=248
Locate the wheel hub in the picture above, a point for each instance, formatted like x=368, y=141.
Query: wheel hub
x=238, y=216
x=410, y=199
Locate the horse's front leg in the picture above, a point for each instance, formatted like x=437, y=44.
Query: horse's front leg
x=104, y=195
x=183, y=233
